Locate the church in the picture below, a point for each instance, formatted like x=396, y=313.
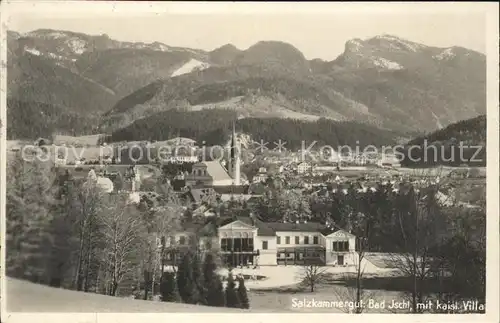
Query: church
x=214, y=173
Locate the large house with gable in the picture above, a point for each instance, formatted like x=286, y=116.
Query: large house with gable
x=247, y=241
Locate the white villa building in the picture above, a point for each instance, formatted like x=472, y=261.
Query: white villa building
x=246, y=241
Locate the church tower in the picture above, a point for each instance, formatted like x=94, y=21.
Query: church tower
x=235, y=158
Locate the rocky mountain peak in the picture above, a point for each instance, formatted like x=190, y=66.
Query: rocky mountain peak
x=224, y=55
x=274, y=53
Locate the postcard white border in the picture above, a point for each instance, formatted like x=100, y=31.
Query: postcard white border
x=79, y=8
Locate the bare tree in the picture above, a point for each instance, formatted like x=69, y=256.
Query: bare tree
x=159, y=223
x=420, y=220
x=354, y=293
x=121, y=227
x=90, y=203
x=312, y=275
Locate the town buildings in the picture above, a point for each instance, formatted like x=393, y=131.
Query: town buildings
x=303, y=168
x=261, y=176
x=208, y=173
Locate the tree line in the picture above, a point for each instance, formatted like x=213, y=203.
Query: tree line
x=198, y=282
x=213, y=127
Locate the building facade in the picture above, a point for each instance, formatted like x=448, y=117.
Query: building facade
x=251, y=242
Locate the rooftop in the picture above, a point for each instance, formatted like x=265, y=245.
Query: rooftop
x=215, y=170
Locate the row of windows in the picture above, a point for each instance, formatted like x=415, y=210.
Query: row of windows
x=298, y=256
x=340, y=246
x=183, y=240
x=243, y=244
x=237, y=235
x=336, y=245
x=297, y=240
x=246, y=244
x=199, y=172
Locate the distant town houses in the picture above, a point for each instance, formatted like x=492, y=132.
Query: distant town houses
x=180, y=159
x=303, y=168
x=261, y=176
x=225, y=176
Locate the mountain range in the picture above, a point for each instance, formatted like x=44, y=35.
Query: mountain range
x=385, y=81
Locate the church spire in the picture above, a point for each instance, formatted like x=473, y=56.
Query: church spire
x=235, y=157
x=233, y=144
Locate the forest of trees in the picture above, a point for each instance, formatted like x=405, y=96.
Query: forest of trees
x=213, y=127
x=70, y=234
x=442, y=147
x=31, y=120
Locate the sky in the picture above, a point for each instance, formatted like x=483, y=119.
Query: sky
x=317, y=35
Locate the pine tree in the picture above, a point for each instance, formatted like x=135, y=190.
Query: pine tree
x=232, y=299
x=242, y=293
x=29, y=200
x=188, y=290
x=168, y=288
x=198, y=279
x=212, y=284
x=64, y=243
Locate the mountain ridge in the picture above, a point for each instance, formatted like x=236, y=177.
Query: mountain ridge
x=384, y=80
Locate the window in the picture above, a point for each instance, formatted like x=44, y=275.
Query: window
x=278, y=240
x=264, y=245
x=315, y=240
x=306, y=240
x=287, y=240
x=182, y=240
x=297, y=240
x=340, y=246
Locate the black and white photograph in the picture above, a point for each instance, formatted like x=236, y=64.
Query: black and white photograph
x=328, y=158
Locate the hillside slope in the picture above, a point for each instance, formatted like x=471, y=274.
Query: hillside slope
x=461, y=143
x=33, y=78
x=23, y=296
